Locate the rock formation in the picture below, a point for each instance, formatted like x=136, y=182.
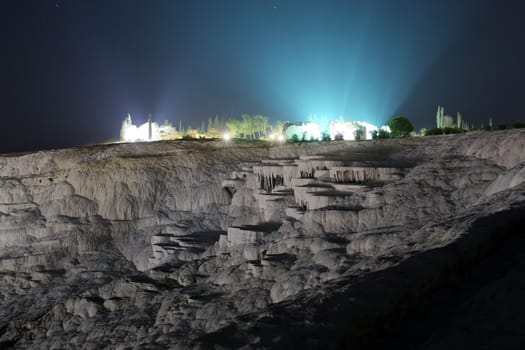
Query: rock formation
x=226, y=245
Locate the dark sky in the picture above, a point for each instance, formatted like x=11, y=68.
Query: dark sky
x=72, y=69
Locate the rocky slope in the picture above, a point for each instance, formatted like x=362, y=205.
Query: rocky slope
x=225, y=245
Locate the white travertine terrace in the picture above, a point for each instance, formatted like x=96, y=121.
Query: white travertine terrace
x=212, y=244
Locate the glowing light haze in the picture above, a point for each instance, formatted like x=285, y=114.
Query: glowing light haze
x=145, y=132
x=74, y=71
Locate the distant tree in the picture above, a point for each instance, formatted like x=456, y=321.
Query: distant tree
x=259, y=124
x=247, y=126
x=265, y=125
x=383, y=134
x=234, y=127
x=326, y=137
x=256, y=125
x=192, y=132
x=359, y=134
x=518, y=124
x=203, y=128
x=303, y=137
x=380, y=134
x=487, y=127
x=294, y=138
x=400, y=127
x=214, y=133
x=339, y=137
x=277, y=127
x=501, y=126
x=217, y=122
x=434, y=131
x=210, y=125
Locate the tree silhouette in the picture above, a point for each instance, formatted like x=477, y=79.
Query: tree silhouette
x=400, y=126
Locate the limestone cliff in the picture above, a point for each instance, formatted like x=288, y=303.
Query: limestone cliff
x=198, y=244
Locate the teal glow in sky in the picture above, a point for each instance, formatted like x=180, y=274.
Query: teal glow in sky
x=73, y=69
x=334, y=58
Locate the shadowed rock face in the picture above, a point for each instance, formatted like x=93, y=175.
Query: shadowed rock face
x=196, y=244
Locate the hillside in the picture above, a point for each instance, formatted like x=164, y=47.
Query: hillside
x=191, y=244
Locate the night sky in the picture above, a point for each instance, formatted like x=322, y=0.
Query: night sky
x=71, y=70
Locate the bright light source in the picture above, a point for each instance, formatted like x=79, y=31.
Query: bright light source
x=313, y=132
x=348, y=129
x=226, y=137
x=304, y=131
x=271, y=137
x=280, y=138
x=144, y=132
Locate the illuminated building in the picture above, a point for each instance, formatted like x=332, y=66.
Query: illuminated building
x=149, y=131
